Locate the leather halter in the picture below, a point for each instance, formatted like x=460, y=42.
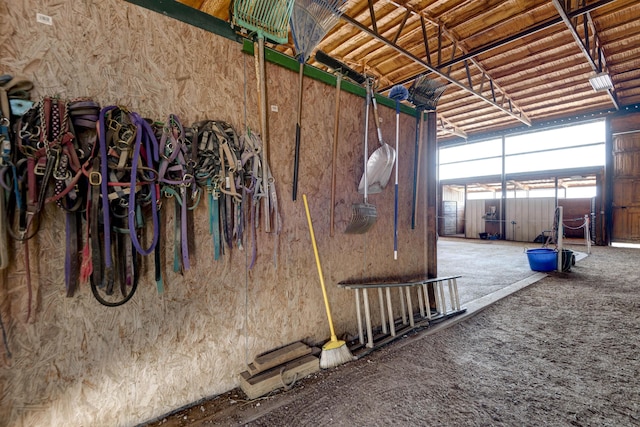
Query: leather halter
x=256, y=175
x=111, y=164
x=47, y=144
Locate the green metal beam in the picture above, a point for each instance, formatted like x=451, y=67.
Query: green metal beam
x=291, y=63
x=189, y=15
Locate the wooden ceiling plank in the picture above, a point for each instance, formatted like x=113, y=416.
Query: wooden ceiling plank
x=488, y=11
x=478, y=32
x=519, y=116
x=442, y=32
x=529, y=30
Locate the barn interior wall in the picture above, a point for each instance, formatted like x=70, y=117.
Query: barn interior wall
x=573, y=212
x=473, y=220
x=626, y=178
x=528, y=218
x=449, y=194
x=75, y=362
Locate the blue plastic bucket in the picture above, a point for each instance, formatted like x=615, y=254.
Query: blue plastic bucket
x=542, y=259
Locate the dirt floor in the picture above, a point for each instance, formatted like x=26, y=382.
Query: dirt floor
x=562, y=351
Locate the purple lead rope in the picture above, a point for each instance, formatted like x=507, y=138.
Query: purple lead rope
x=151, y=148
x=103, y=187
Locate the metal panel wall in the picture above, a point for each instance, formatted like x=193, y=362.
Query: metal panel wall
x=531, y=217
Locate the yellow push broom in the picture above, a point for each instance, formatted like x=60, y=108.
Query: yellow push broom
x=334, y=352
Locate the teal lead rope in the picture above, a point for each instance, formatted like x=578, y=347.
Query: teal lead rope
x=214, y=219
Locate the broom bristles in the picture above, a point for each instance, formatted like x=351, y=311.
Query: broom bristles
x=335, y=353
x=310, y=21
x=425, y=93
x=399, y=93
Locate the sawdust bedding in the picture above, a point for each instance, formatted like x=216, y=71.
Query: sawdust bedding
x=563, y=351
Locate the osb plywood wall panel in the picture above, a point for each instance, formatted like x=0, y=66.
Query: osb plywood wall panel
x=79, y=363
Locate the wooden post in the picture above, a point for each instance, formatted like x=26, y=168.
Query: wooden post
x=432, y=200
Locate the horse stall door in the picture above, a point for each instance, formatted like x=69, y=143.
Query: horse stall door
x=626, y=187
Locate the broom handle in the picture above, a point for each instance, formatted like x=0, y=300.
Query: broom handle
x=366, y=141
x=376, y=117
x=395, y=208
x=296, y=160
x=415, y=170
x=334, y=158
x=315, y=252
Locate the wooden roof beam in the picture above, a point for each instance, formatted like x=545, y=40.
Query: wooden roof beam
x=519, y=185
x=485, y=187
x=562, y=184
x=448, y=127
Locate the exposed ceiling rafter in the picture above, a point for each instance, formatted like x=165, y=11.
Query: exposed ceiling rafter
x=584, y=45
x=485, y=187
x=528, y=31
x=505, y=104
x=449, y=127
x=524, y=33
x=444, y=31
x=520, y=185
x=562, y=183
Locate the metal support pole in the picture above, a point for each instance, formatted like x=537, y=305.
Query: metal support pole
x=608, y=182
x=559, y=237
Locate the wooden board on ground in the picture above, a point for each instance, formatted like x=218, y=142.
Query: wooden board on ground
x=277, y=357
x=278, y=376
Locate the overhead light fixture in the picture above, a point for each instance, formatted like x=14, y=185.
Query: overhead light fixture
x=601, y=81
